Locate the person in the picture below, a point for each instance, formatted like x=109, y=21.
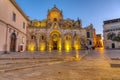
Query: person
x=89, y=48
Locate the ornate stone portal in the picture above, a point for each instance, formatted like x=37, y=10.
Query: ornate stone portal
x=55, y=33
x=55, y=40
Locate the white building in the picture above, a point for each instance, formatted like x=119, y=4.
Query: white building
x=13, y=24
x=111, y=33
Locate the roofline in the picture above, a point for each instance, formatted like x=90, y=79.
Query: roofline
x=111, y=21
x=19, y=9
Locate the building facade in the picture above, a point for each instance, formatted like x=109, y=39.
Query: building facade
x=111, y=33
x=99, y=41
x=18, y=33
x=13, y=25
x=56, y=33
x=90, y=36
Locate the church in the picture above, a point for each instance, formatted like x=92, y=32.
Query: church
x=19, y=33
x=57, y=33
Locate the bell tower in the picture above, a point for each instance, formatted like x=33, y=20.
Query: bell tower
x=54, y=15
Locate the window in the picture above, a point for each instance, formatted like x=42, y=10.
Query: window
x=23, y=25
x=119, y=34
x=88, y=34
x=23, y=40
x=14, y=17
x=55, y=19
x=111, y=36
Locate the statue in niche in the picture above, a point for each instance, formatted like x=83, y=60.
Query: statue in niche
x=55, y=25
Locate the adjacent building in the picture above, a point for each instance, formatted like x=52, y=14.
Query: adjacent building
x=111, y=33
x=13, y=25
x=90, y=36
x=99, y=41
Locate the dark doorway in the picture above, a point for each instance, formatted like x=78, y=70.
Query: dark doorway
x=54, y=45
x=113, y=45
x=13, y=42
x=90, y=43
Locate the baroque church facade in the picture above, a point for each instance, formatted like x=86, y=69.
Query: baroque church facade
x=56, y=33
x=19, y=33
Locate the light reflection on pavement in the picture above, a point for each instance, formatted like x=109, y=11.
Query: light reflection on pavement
x=93, y=66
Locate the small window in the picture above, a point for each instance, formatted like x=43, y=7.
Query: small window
x=88, y=34
x=23, y=39
x=23, y=25
x=9, y=30
x=14, y=17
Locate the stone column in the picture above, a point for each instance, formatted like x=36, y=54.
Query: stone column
x=37, y=41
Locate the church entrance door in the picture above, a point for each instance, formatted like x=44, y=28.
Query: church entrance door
x=13, y=42
x=55, y=40
x=54, y=45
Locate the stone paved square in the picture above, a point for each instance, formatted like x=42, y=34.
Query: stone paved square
x=48, y=66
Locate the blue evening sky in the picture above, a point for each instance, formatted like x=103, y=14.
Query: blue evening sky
x=89, y=11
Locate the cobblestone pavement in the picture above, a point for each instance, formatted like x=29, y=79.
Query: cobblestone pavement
x=96, y=65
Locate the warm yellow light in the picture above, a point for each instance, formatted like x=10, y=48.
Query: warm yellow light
x=43, y=23
x=35, y=23
x=42, y=47
x=50, y=47
x=76, y=45
x=77, y=57
x=67, y=46
x=102, y=48
x=60, y=49
x=31, y=47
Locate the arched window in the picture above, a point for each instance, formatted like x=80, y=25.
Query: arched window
x=33, y=37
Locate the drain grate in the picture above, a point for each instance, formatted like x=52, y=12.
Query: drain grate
x=115, y=65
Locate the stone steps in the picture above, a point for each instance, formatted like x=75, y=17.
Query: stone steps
x=19, y=66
